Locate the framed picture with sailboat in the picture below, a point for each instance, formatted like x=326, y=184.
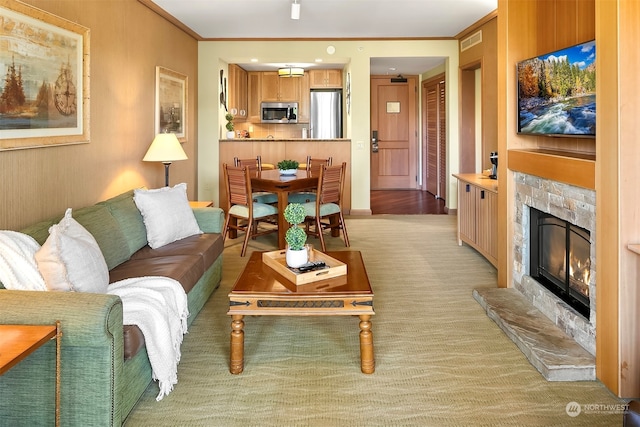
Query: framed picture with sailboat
x=44, y=98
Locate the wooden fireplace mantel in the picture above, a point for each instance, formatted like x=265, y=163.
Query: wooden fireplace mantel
x=567, y=167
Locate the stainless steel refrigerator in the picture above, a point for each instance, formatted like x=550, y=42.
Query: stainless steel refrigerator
x=326, y=113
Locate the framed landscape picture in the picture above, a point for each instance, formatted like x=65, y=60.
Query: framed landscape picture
x=171, y=103
x=44, y=97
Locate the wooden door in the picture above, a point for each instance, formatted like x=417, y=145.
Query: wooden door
x=431, y=142
x=393, y=116
x=435, y=137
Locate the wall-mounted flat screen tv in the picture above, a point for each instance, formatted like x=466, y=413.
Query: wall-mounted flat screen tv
x=557, y=93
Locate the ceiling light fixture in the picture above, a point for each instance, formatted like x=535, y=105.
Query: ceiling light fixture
x=295, y=10
x=291, y=72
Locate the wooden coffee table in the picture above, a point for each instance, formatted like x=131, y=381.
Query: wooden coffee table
x=261, y=291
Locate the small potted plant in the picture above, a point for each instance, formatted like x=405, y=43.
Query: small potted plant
x=288, y=167
x=295, y=236
x=229, y=125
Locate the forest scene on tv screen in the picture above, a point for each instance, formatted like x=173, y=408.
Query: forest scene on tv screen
x=557, y=92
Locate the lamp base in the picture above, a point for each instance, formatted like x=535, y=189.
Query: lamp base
x=166, y=173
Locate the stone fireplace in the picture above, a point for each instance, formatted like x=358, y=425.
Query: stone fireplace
x=576, y=206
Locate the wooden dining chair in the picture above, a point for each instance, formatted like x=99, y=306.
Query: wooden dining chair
x=312, y=167
x=255, y=164
x=326, y=212
x=243, y=213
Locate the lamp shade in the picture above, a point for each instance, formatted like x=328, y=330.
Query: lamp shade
x=165, y=148
x=291, y=72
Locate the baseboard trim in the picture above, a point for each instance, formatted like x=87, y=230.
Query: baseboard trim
x=360, y=212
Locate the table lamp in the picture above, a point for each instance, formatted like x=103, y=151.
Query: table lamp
x=165, y=148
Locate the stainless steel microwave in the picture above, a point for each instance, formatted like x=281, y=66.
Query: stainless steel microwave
x=279, y=112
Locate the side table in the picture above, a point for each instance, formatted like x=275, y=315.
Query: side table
x=198, y=204
x=19, y=341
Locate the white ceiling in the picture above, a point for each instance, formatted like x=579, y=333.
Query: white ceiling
x=332, y=19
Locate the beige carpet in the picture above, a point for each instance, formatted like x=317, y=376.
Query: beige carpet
x=440, y=361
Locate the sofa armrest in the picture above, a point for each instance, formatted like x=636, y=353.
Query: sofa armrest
x=92, y=356
x=210, y=220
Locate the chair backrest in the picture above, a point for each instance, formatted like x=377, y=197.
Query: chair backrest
x=252, y=164
x=316, y=162
x=238, y=185
x=331, y=184
x=314, y=165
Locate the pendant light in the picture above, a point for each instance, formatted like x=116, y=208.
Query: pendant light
x=295, y=10
x=291, y=72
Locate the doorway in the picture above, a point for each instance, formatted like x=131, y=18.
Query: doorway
x=434, y=136
x=394, y=162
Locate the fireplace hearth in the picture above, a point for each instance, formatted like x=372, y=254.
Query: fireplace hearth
x=560, y=259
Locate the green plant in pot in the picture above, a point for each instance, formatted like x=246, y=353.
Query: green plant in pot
x=229, y=125
x=295, y=236
x=288, y=167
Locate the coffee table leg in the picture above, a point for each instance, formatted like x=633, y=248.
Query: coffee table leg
x=367, y=364
x=237, y=344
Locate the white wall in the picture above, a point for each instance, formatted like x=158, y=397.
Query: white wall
x=356, y=55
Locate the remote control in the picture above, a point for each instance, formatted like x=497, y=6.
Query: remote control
x=310, y=266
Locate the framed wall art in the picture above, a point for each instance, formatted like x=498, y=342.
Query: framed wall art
x=44, y=96
x=171, y=103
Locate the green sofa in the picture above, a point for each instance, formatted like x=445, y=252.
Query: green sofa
x=101, y=380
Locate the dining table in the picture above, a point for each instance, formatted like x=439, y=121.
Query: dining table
x=275, y=182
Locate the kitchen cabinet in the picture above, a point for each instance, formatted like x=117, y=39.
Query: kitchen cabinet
x=305, y=100
x=321, y=79
x=279, y=89
x=254, y=86
x=237, y=102
x=478, y=213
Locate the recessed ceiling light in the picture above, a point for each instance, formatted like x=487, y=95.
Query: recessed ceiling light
x=331, y=50
x=318, y=59
x=254, y=59
x=392, y=69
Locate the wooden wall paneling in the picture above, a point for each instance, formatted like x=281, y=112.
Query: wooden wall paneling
x=467, y=119
x=607, y=221
x=566, y=25
x=629, y=196
x=586, y=23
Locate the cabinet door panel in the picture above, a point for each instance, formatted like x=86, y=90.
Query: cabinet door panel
x=254, y=88
x=289, y=89
x=467, y=211
x=270, y=87
x=334, y=78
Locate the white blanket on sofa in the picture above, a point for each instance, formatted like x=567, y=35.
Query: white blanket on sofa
x=158, y=306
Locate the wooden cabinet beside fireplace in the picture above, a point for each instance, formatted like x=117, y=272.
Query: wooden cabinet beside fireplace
x=478, y=214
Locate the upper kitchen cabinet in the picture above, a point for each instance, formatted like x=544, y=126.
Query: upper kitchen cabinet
x=305, y=99
x=320, y=79
x=276, y=88
x=254, y=79
x=238, y=101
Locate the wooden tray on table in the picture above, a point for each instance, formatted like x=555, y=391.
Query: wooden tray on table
x=277, y=261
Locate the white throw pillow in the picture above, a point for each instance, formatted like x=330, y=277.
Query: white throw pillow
x=166, y=214
x=18, y=268
x=71, y=260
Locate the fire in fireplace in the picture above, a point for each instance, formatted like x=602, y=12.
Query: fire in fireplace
x=560, y=258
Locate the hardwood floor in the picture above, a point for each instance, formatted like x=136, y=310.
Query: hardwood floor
x=405, y=202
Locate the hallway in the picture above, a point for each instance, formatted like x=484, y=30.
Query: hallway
x=405, y=202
